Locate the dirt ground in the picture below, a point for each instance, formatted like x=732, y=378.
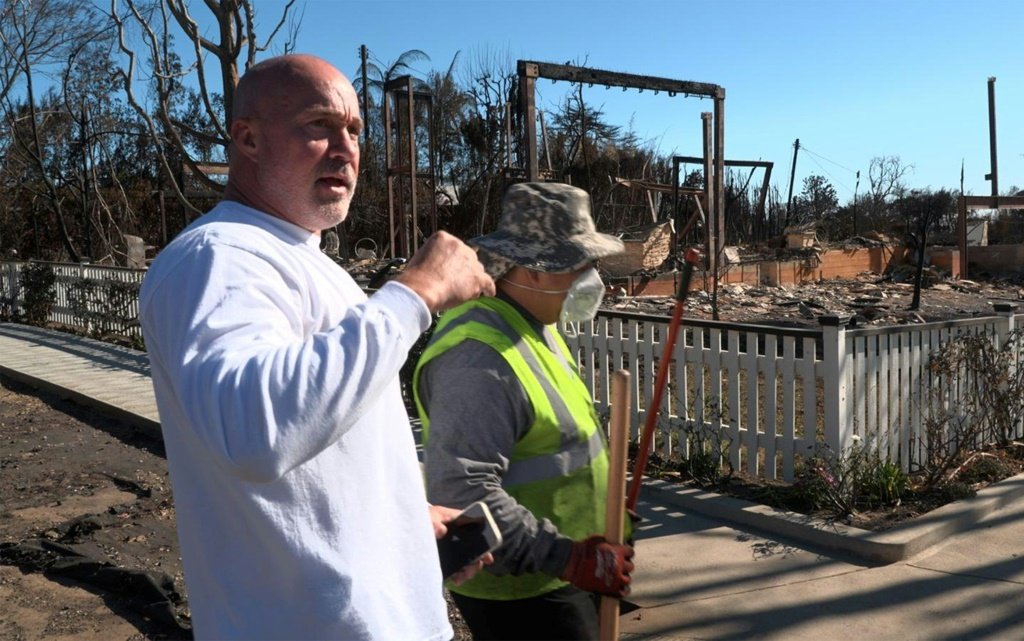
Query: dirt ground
x=88, y=549
x=87, y=537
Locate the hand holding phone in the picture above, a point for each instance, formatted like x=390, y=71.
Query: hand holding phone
x=471, y=534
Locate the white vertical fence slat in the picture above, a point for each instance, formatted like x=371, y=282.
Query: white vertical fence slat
x=730, y=369
x=810, y=407
x=699, y=352
x=713, y=393
x=752, y=389
x=838, y=426
x=584, y=353
x=681, y=393
x=886, y=406
x=858, y=353
x=643, y=386
x=916, y=385
x=671, y=393
x=676, y=393
x=939, y=403
x=601, y=357
x=788, y=366
x=871, y=431
x=902, y=425
x=624, y=349
x=771, y=397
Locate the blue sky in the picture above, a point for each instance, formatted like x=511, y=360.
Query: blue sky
x=852, y=80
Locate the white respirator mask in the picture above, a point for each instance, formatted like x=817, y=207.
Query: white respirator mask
x=583, y=298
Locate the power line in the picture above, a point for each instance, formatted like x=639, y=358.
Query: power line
x=830, y=175
x=815, y=156
x=852, y=171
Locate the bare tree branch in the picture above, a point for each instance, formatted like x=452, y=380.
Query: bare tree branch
x=273, y=33
x=235, y=37
x=126, y=76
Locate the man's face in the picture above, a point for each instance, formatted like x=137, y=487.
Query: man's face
x=307, y=150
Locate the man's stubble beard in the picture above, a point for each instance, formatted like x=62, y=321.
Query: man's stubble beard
x=335, y=212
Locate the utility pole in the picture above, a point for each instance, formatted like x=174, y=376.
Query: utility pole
x=341, y=229
x=994, y=176
x=855, y=186
x=366, y=93
x=792, y=177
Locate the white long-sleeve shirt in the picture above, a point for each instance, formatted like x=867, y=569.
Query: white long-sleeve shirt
x=300, y=504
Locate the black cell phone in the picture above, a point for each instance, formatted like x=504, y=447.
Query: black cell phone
x=472, y=534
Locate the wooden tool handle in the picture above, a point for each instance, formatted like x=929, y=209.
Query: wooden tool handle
x=618, y=437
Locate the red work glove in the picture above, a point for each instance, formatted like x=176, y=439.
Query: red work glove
x=595, y=565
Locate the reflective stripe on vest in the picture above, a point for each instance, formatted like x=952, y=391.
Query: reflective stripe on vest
x=541, y=468
x=565, y=420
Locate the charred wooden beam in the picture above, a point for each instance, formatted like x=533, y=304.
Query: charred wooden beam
x=616, y=79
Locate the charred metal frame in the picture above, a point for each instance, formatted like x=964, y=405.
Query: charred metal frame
x=401, y=158
x=705, y=191
x=995, y=201
x=714, y=151
x=970, y=203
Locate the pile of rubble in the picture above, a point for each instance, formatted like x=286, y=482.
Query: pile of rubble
x=869, y=299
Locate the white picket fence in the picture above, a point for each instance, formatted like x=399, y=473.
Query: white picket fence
x=67, y=274
x=772, y=395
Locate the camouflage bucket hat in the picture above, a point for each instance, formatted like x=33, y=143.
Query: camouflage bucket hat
x=547, y=227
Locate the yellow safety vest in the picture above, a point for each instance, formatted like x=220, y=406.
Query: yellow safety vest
x=559, y=469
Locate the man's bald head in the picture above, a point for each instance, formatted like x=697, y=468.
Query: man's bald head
x=265, y=83
x=295, y=141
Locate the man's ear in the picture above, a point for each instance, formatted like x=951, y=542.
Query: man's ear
x=243, y=137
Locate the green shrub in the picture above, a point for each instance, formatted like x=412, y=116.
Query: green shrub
x=844, y=484
x=953, y=491
x=38, y=284
x=885, y=483
x=988, y=410
x=983, y=468
x=708, y=460
x=103, y=307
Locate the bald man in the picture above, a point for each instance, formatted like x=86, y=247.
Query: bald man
x=300, y=504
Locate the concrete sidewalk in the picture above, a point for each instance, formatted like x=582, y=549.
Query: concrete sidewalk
x=708, y=566
x=702, y=578
x=112, y=378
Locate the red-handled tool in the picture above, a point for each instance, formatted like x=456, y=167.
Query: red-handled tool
x=690, y=259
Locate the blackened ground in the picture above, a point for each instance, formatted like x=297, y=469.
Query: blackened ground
x=88, y=548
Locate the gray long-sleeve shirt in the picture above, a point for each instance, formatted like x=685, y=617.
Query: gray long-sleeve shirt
x=478, y=410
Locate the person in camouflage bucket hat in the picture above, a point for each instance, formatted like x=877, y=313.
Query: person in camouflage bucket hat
x=546, y=227
x=507, y=420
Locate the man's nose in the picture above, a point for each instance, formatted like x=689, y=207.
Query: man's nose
x=343, y=144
